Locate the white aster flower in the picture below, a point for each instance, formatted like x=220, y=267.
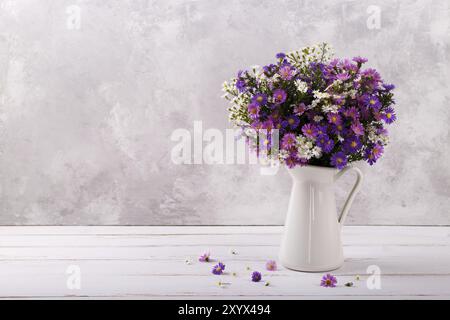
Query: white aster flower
x=301, y=86
x=321, y=95
x=317, y=118
x=330, y=108
x=316, y=152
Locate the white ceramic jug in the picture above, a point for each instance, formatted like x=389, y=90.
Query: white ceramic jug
x=312, y=233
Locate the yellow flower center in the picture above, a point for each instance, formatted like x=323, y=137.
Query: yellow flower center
x=388, y=115
x=353, y=144
x=291, y=121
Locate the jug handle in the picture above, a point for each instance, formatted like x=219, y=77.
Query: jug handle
x=353, y=192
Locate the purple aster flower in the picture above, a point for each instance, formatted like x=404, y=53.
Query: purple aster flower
x=373, y=154
x=382, y=131
x=271, y=265
x=280, y=55
x=269, y=68
x=352, y=144
x=279, y=96
x=372, y=101
x=334, y=118
x=339, y=160
x=370, y=78
x=259, y=99
x=352, y=113
x=339, y=100
x=338, y=129
x=309, y=130
x=388, y=87
x=360, y=60
x=389, y=115
x=256, y=276
x=358, y=128
x=253, y=110
x=257, y=125
x=286, y=72
x=204, y=257
x=275, y=116
x=292, y=122
x=346, y=64
x=328, y=281
x=268, y=125
x=343, y=76
x=300, y=109
x=241, y=85
x=325, y=143
x=218, y=268
x=321, y=130
x=293, y=160
x=288, y=141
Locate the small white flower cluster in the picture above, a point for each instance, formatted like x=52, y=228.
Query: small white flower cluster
x=377, y=138
x=322, y=52
x=330, y=108
x=306, y=148
x=301, y=86
x=320, y=97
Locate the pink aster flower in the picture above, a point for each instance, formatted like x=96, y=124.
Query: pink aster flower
x=334, y=118
x=271, y=265
x=358, y=128
x=300, y=109
x=286, y=72
x=328, y=280
x=253, y=110
x=288, y=141
x=204, y=257
x=279, y=96
x=309, y=130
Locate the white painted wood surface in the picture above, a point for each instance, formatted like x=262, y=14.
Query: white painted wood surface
x=149, y=263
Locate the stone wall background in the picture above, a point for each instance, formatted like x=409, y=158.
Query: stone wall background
x=90, y=92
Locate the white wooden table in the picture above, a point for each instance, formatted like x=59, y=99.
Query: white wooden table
x=150, y=263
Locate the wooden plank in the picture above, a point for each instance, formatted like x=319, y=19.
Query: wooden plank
x=149, y=262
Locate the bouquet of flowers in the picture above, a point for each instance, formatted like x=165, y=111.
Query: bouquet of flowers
x=328, y=112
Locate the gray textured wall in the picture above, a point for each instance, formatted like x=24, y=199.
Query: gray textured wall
x=87, y=107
